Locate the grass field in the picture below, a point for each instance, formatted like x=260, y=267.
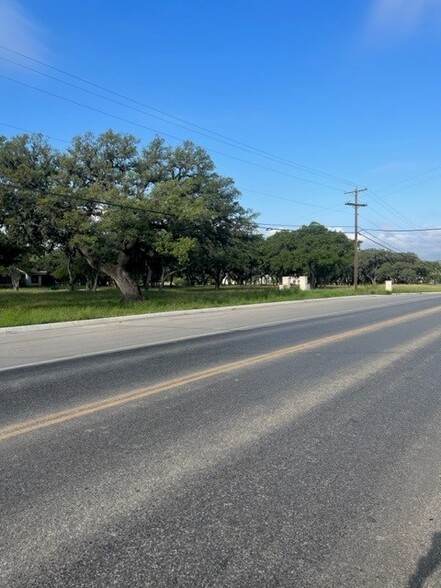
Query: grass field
x=35, y=306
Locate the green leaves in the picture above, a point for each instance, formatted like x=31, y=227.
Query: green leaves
x=324, y=256
x=125, y=211
x=377, y=265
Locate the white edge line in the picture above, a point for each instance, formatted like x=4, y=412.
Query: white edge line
x=189, y=337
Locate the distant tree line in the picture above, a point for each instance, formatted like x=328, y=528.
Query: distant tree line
x=378, y=265
x=106, y=210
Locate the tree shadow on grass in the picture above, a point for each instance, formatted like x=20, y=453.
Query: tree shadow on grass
x=427, y=564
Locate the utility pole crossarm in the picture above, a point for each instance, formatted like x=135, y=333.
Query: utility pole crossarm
x=356, y=206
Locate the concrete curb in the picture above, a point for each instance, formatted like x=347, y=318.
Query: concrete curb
x=171, y=313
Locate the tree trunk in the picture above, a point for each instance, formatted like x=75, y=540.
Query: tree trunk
x=220, y=275
x=95, y=282
x=162, y=280
x=92, y=281
x=147, y=278
x=70, y=273
x=129, y=290
x=15, y=277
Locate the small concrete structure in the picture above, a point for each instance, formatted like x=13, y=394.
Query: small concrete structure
x=300, y=282
x=389, y=285
x=303, y=283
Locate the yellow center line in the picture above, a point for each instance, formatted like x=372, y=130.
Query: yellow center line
x=55, y=418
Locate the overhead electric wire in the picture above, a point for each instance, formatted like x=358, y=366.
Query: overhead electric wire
x=380, y=214
x=3, y=124
x=152, y=210
x=243, y=190
x=387, y=188
x=379, y=229
x=382, y=241
x=412, y=185
x=380, y=244
x=143, y=208
x=96, y=201
x=213, y=134
x=162, y=212
x=395, y=212
x=390, y=208
x=428, y=230
x=119, y=103
x=423, y=232
x=120, y=118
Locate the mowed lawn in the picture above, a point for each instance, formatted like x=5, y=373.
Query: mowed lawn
x=35, y=306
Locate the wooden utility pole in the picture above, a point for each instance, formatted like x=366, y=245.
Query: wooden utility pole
x=356, y=206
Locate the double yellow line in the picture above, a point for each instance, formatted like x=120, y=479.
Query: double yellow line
x=62, y=416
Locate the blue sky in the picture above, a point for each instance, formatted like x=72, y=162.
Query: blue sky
x=351, y=89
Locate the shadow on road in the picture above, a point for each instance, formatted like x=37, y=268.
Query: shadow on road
x=427, y=564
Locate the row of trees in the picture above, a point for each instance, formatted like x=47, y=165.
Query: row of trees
x=126, y=212
x=105, y=208
x=378, y=265
x=327, y=258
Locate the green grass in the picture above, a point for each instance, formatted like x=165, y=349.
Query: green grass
x=35, y=306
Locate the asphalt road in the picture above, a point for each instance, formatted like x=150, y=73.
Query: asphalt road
x=42, y=343
x=306, y=453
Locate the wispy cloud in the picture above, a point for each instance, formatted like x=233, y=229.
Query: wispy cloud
x=402, y=17
x=19, y=31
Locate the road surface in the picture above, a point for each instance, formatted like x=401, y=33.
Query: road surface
x=304, y=453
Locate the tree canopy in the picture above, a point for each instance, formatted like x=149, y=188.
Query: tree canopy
x=323, y=255
x=107, y=207
x=378, y=265
x=124, y=210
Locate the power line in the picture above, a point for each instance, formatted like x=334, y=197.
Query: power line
x=242, y=190
x=324, y=208
x=379, y=229
x=3, y=124
x=387, y=206
x=212, y=134
x=380, y=241
x=152, y=210
x=120, y=118
x=103, y=202
x=288, y=199
x=387, y=188
x=262, y=225
x=119, y=103
x=406, y=230
x=382, y=245
x=413, y=185
x=380, y=214
x=388, y=192
x=140, y=208
x=270, y=225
